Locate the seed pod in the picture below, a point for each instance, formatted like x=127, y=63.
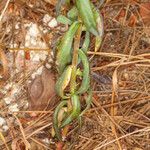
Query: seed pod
x=55, y=119
x=63, y=81
x=65, y=46
x=76, y=108
x=86, y=79
x=87, y=16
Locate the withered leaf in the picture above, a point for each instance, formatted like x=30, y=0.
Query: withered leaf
x=41, y=90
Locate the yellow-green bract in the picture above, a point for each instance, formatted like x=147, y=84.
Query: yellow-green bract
x=86, y=70
x=64, y=48
x=63, y=81
x=87, y=15
x=76, y=108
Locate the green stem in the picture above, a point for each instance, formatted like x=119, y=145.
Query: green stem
x=75, y=59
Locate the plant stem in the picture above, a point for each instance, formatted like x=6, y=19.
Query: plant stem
x=75, y=59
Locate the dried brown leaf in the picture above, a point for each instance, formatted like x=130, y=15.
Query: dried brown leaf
x=145, y=12
x=41, y=90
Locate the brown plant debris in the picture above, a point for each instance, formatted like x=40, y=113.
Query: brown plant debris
x=119, y=118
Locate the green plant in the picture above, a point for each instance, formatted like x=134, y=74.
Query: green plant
x=82, y=17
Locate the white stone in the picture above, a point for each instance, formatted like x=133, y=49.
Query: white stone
x=13, y=45
x=52, y=53
x=14, y=108
x=63, y=138
x=33, y=76
x=45, y=31
x=30, y=5
x=26, y=106
x=39, y=71
x=3, y=91
x=46, y=18
x=29, y=81
x=15, y=89
x=35, y=57
x=48, y=66
x=5, y=128
x=7, y=100
x=33, y=30
x=8, y=86
x=27, y=25
x=17, y=26
x=33, y=41
x=51, y=141
x=46, y=141
x=8, y=29
x=42, y=45
x=43, y=56
x=2, y=121
x=50, y=60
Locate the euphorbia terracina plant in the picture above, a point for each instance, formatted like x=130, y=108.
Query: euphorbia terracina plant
x=85, y=16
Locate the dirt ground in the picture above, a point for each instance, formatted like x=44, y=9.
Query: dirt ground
x=119, y=117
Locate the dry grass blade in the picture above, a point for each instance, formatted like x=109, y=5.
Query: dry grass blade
x=27, y=144
x=114, y=108
x=3, y=139
x=4, y=10
x=138, y=131
x=4, y=61
x=120, y=113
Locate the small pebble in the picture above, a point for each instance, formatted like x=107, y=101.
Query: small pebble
x=13, y=108
x=46, y=18
x=5, y=128
x=48, y=66
x=2, y=121
x=39, y=71
x=46, y=141
x=7, y=100
x=33, y=76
